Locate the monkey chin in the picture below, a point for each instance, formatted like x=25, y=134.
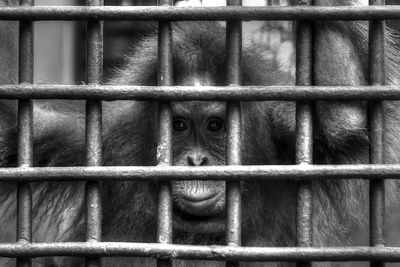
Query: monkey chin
x=199, y=224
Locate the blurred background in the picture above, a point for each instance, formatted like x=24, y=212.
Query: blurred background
x=60, y=46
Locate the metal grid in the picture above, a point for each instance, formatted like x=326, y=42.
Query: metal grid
x=93, y=249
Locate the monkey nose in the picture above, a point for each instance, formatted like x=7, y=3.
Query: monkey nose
x=197, y=160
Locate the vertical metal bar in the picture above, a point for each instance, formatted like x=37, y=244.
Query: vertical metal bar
x=25, y=135
x=94, y=131
x=234, y=144
x=376, y=125
x=164, y=148
x=304, y=132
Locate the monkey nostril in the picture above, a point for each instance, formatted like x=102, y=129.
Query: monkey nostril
x=197, y=160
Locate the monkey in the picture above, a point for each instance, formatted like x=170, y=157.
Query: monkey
x=199, y=138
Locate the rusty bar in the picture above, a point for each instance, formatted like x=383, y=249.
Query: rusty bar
x=290, y=13
x=164, y=148
x=234, y=143
x=229, y=173
x=94, y=131
x=376, y=125
x=25, y=136
x=304, y=132
x=260, y=254
x=205, y=93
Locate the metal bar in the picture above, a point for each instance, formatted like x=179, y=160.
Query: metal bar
x=94, y=131
x=265, y=254
x=229, y=173
x=304, y=132
x=233, y=232
x=25, y=137
x=205, y=93
x=376, y=124
x=291, y=13
x=164, y=148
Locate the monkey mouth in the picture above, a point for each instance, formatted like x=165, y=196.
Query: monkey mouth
x=213, y=224
x=201, y=205
x=199, y=209
x=199, y=215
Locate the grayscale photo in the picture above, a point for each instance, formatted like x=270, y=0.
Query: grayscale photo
x=199, y=133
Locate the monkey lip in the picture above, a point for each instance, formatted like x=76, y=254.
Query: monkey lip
x=198, y=224
x=203, y=205
x=200, y=202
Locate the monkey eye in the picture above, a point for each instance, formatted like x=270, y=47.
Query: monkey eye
x=214, y=124
x=180, y=124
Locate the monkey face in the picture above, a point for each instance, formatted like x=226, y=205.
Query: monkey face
x=199, y=139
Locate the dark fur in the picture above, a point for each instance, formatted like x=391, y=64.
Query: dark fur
x=129, y=138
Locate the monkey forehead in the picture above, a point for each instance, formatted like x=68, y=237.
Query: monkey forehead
x=196, y=108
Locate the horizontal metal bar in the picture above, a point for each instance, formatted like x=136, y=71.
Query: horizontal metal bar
x=206, y=93
x=229, y=173
x=111, y=249
x=200, y=13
